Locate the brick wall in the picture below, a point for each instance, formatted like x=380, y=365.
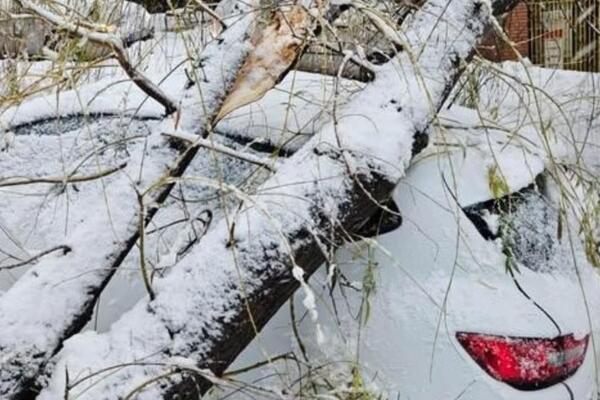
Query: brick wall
x=516, y=25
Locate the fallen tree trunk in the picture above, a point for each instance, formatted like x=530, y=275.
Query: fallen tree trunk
x=216, y=299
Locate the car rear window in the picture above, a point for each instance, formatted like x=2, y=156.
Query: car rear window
x=527, y=225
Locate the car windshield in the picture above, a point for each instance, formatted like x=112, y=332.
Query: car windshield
x=528, y=225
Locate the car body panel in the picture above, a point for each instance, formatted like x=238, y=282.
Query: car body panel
x=434, y=276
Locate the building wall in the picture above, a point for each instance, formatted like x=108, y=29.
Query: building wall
x=516, y=25
x=552, y=33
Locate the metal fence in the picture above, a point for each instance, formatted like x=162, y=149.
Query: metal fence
x=565, y=34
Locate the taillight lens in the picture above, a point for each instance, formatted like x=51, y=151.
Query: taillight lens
x=526, y=363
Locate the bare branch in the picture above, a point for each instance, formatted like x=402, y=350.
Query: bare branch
x=63, y=248
x=204, y=7
x=196, y=140
x=7, y=182
x=113, y=42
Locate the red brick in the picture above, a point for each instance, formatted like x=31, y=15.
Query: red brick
x=516, y=26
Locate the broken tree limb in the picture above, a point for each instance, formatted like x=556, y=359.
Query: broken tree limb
x=31, y=45
x=112, y=41
x=327, y=60
x=213, y=302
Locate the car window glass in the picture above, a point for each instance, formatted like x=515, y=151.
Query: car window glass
x=527, y=225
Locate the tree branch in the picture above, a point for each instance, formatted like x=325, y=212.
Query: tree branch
x=196, y=140
x=7, y=182
x=63, y=248
x=113, y=42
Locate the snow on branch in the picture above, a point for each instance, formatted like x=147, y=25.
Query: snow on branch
x=196, y=140
x=207, y=309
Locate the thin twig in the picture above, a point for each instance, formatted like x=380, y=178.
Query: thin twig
x=6, y=182
x=142, y=244
x=196, y=140
x=284, y=356
x=65, y=249
x=204, y=7
x=112, y=41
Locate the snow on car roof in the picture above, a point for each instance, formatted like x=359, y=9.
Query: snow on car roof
x=288, y=115
x=471, y=159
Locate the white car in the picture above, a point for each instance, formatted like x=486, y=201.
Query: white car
x=463, y=297
x=469, y=298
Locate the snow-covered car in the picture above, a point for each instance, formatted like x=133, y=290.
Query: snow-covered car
x=481, y=293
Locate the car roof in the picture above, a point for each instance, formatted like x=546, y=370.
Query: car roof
x=475, y=167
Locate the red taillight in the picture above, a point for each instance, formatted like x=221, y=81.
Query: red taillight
x=526, y=363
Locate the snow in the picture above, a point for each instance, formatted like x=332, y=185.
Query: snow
x=93, y=218
x=204, y=291
x=416, y=268
x=289, y=115
x=531, y=234
x=556, y=110
x=198, y=293
x=493, y=150
x=208, y=173
x=86, y=216
x=108, y=92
